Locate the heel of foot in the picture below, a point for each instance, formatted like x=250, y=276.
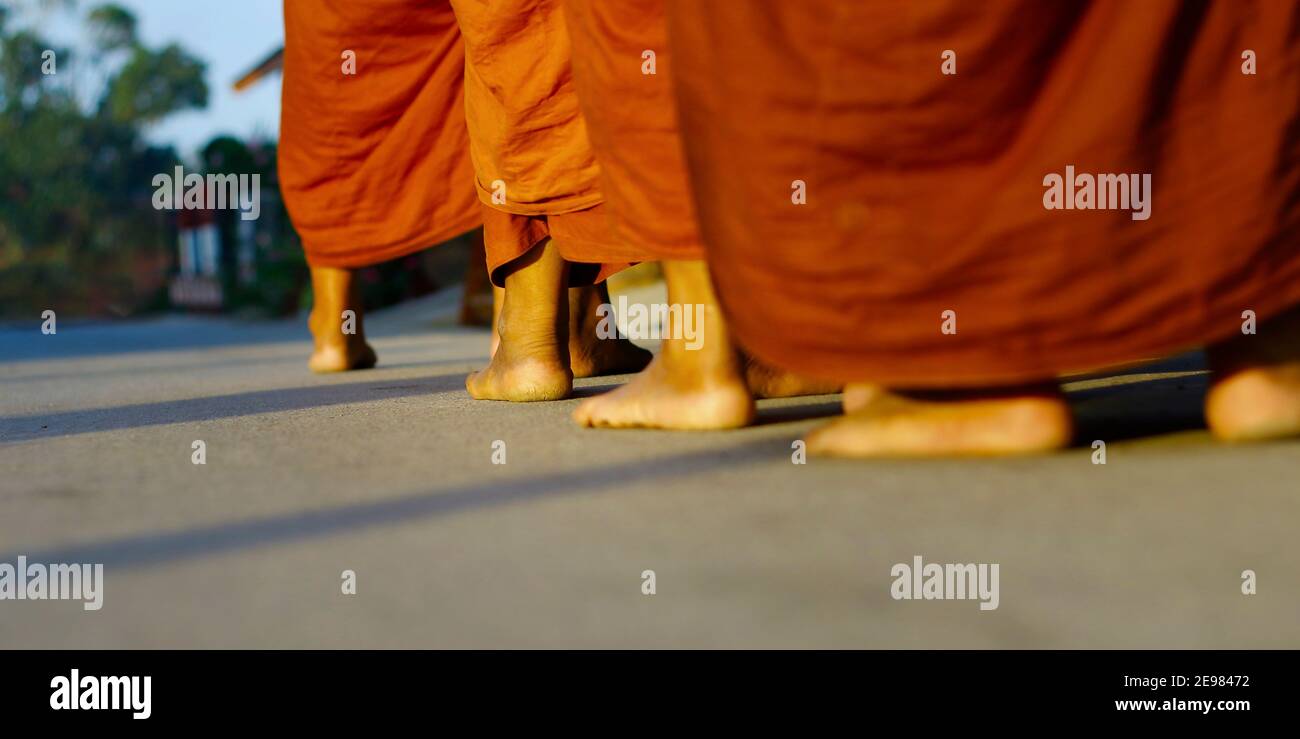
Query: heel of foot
x=598, y=357
x=766, y=382
x=539, y=389
x=1255, y=404
x=732, y=406
x=523, y=381
x=339, y=358
x=1040, y=425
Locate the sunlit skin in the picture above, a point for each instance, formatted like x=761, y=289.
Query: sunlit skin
x=709, y=387
x=550, y=338
x=1006, y=421
x=1255, y=391
x=335, y=291
x=545, y=334
x=1254, y=395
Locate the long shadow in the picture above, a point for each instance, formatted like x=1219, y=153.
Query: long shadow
x=775, y=414
x=70, y=423
x=143, y=550
x=22, y=341
x=1163, y=405
x=1146, y=408
x=587, y=391
x=298, y=359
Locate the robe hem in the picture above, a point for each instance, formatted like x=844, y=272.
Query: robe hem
x=370, y=256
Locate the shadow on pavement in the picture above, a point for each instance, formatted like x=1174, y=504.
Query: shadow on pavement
x=68, y=423
x=143, y=550
x=1147, y=408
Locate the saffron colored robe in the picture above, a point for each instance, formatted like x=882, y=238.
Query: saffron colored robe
x=458, y=113
x=622, y=70
x=869, y=217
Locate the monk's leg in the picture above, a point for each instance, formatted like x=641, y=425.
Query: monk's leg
x=498, y=298
x=695, y=382
x=766, y=381
x=590, y=356
x=1255, y=390
x=340, y=343
x=881, y=423
x=531, y=361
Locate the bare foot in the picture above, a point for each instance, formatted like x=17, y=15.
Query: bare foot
x=498, y=297
x=340, y=342
x=765, y=381
x=887, y=424
x=341, y=357
x=531, y=362
x=1255, y=392
x=590, y=355
x=858, y=395
x=695, y=389
x=525, y=379
x=667, y=398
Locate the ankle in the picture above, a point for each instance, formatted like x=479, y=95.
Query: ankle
x=701, y=368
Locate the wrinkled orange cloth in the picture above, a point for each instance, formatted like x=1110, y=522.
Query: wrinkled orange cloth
x=622, y=71
x=374, y=165
x=451, y=103
x=925, y=191
x=528, y=140
x=583, y=238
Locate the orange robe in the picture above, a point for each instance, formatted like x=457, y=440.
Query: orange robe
x=925, y=192
x=458, y=113
x=622, y=71
x=374, y=165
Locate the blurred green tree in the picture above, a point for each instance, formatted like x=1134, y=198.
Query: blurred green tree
x=77, y=229
x=264, y=269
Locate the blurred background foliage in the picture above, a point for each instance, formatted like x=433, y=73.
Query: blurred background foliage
x=77, y=228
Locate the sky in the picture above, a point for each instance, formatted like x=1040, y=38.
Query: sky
x=230, y=36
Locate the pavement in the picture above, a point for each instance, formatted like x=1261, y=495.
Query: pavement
x=388, y=474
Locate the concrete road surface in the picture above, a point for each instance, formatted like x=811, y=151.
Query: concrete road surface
x=389, y=474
